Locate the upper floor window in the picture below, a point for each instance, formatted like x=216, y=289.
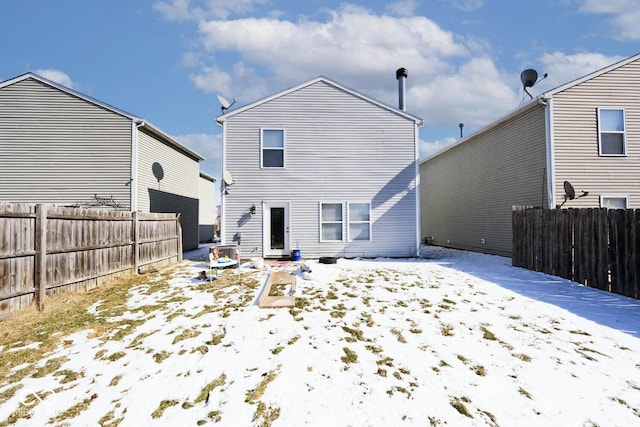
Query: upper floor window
x=612, y=132
x=272, y=148
x=359, y=221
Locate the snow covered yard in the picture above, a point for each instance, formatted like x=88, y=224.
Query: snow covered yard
x=457, y=339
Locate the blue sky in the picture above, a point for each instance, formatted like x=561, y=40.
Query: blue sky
x=165, y=60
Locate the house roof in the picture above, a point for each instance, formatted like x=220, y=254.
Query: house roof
x=139, y=121
x=207, y=177
x=540, y=99
x=220, y=119
x=548, y=94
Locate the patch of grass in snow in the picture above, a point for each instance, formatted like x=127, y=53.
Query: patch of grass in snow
x=367, y=318
x=115, y=356
x=354, y=334
x=107, y=420
x=479, y=370
x=160, y=356
x=459, y=405
x=9, y=392
x=50, y=366
x=215, y=339
x=202, y=349
x=462, y=358
x=162, y=407
x=68, y=375
x=293, y=340
x=74, y=410
x=350, y=356
x=277, y=349
x=115, y=380
x=204, y=394
x=266, y=414
x=186, y=334
x=578, y=332
x=446, y=330
x=398, y=335
x=387, y=361
x=137, y=341
x=399, y=389
x=524, y=392
x=252, y=396
x=175, y=314
x=487, y=334
x=339, y=311
x=374, y=349
x=522, y=356
x=366, y=301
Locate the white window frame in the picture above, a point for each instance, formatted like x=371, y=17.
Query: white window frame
x=284, y=148
x=623, y=132
x=349, y=222
x=322, y=222
x=614, y=196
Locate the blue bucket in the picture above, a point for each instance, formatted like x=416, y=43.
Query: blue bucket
x=295, y=255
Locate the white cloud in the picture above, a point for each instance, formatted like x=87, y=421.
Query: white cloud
x=182, y=10
x=428, y=148
x=563, y=68
x=466, y=5
x=57, y=76
x=402, y=7
x=625, y=15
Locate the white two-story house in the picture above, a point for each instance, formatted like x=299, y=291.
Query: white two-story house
x=322, y=169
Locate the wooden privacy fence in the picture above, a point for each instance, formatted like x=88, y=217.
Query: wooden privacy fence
x=599, y=248
x=46, y=249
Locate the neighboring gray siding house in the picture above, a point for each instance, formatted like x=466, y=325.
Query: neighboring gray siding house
x=586, y=132
x=207, y=211
x=62, y=147
x=323, y=169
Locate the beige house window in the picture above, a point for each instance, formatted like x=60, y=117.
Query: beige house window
x=331, y=223
x=614, y=202
x=612, y=138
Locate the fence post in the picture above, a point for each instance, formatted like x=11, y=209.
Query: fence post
x=136, y=242
x=41, y=255
x=179, y=235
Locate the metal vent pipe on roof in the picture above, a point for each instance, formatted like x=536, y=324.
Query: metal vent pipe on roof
x=401, y=75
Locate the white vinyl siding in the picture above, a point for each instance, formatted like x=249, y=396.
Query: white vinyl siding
x=339, y=147
x=359, y=221
x=468, y=191
x=612, y=139
x=272, y=148
x=331, y=222
x=58, y=148
x=575, y=122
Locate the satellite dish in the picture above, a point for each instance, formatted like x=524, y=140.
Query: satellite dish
x=227, y=178
x=569, y=191
x=224, y=103
x=529, y=77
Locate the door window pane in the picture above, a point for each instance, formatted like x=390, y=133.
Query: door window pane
x=277, y=228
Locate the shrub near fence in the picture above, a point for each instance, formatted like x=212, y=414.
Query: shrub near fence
x=597, y=247
x=46, y=249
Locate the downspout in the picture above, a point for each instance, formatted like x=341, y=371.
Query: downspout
x=416, y=138
x=223, y=188
x=133, y=183
x=550, y=150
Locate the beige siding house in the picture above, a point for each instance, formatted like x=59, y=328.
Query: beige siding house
x=62, y=147
x=322, y=169
x=586, y=132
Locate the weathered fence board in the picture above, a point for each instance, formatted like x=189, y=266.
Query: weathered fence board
x=597, y=247
x=46, y=249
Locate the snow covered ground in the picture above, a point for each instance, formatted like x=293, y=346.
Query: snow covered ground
x=456, y=339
